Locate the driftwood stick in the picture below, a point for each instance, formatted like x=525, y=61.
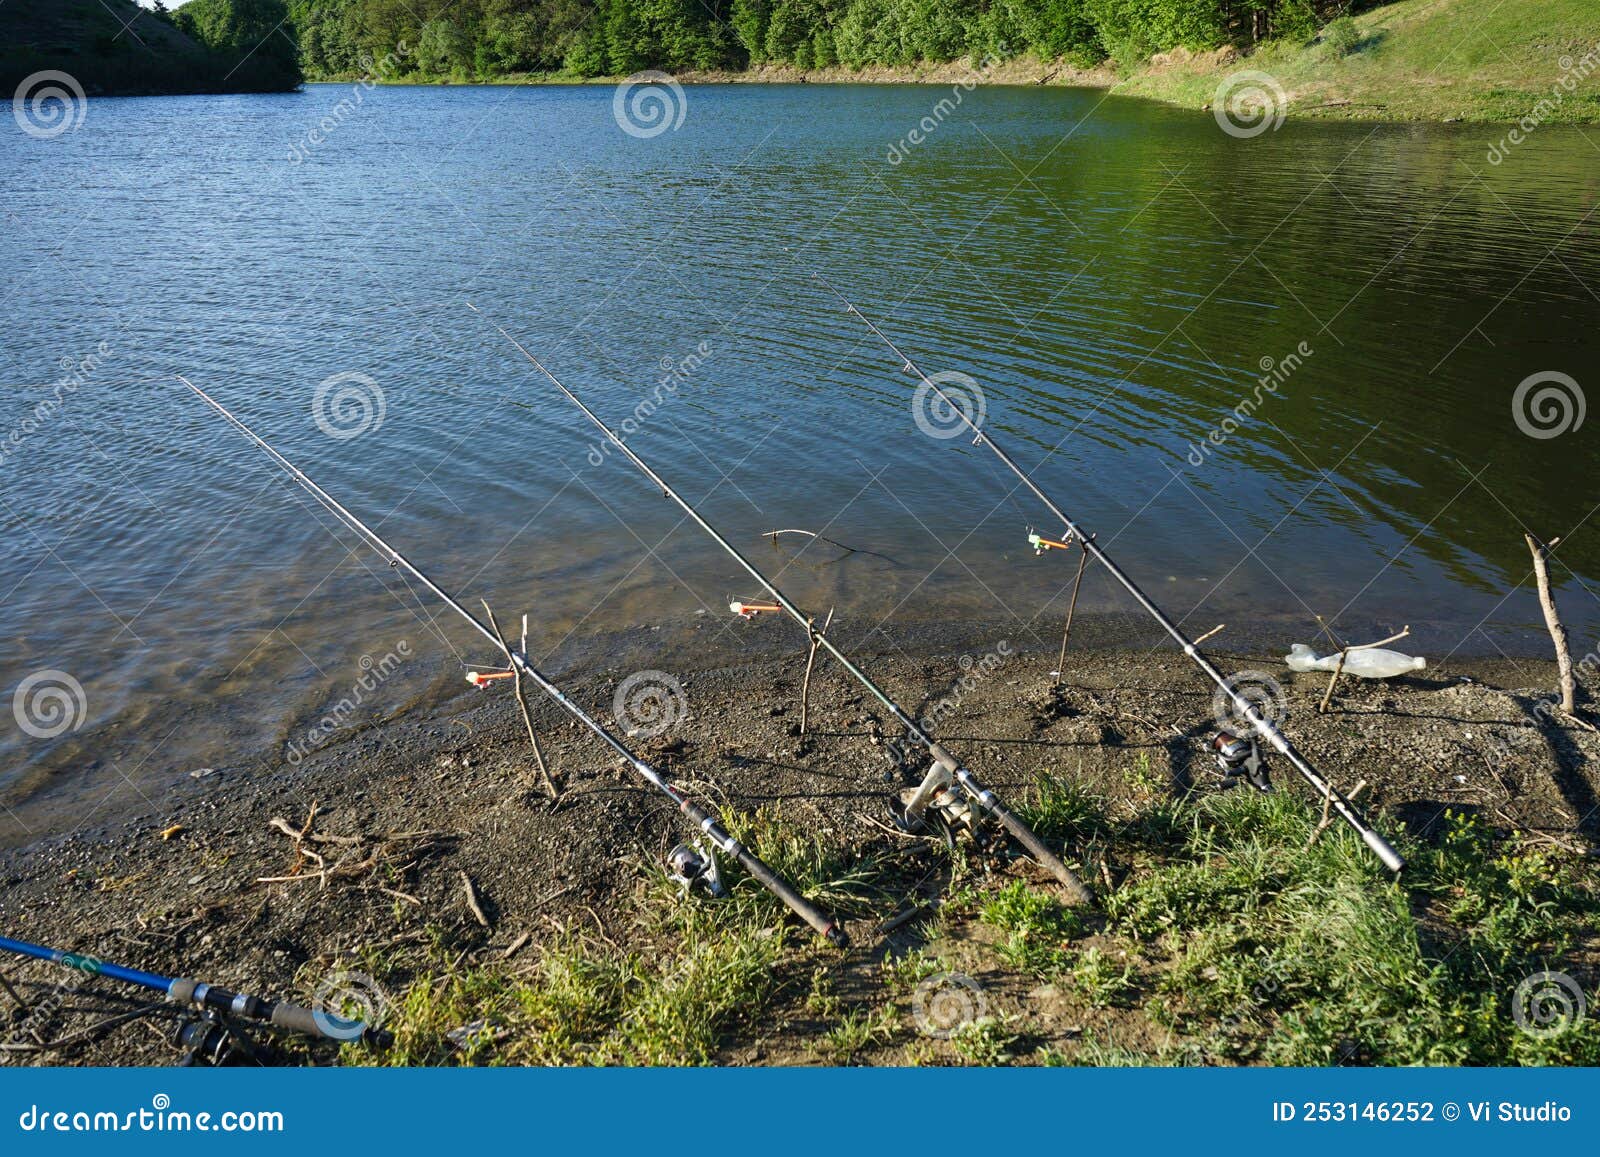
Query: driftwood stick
x=1327, y=818
x=1327, y=696
x=811, y=660
x=522, y=703
x=12, y=992
x=1558, y=633
x=1213, y=631
x=1072, y=606
x=472, y=900
x=1344, y=653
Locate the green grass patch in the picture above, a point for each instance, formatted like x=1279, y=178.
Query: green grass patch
x=707, y=970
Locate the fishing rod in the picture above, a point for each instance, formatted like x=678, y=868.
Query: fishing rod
x=209, y=1038
x=702, y=819
x=1262, y=725
x=947, y=771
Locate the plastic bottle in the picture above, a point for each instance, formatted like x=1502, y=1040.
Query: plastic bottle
x=1368, y=663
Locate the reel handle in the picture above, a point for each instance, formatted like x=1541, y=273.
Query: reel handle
x=796, y=903
x=1078, y=894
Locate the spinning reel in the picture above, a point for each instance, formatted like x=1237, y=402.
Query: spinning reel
x=694, y=864
x=1240, y=761
x=209, y=1041
x=940, y=796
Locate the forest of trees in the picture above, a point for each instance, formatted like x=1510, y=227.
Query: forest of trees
x=256, y=34
x=483, y=39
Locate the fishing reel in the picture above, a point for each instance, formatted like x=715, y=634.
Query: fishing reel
x=1240, y=761
x=689, y=866
x=938, y=795
x=209, y=1041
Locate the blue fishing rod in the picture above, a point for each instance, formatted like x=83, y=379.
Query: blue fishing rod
x=209, y=1038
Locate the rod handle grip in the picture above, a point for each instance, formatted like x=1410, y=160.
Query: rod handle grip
x=1383, y=850
x=825, y=926
x=302, y=1020
x=830, y=929
x=1078, y=895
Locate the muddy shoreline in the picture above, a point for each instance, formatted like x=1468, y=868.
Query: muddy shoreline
x=211, y=882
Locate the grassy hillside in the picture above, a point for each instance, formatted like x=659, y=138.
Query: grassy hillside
x=1487, y=60
x=116, y=47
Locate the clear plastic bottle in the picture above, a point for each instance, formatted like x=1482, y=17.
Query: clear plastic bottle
x=1367, y=663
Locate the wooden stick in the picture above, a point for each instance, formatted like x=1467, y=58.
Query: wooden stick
x=1344, y=653
x=472, y=900
x=1213, y=631
x=1552, y=620
x=1327, y=819
x=1327, y=697
x=5, y=983
x=811, y=659
x=1072, y=606
x=522, y=702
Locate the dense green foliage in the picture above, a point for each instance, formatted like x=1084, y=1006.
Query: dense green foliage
x=256, y=33
x=112, y=46
x=483, y=39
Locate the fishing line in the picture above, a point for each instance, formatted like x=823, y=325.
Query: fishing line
x=1262, y=726
x=949, y=778
x=705, y=821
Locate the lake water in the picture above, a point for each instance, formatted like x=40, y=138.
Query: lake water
x=1115, y=276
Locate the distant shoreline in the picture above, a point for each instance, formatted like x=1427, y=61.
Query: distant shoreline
x=1178, y=79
